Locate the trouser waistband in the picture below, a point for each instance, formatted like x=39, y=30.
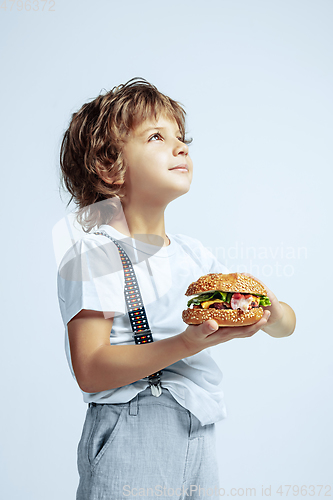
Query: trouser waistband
x=144, y=398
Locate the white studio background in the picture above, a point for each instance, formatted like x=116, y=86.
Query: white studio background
x=256, y=80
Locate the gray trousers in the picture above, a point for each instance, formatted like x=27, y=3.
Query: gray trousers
x=147, y=447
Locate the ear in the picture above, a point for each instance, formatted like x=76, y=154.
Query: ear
x=109, y=180
x=118, y=182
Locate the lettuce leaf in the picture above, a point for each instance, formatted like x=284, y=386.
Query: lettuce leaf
x=264, y=301
x=203, y=297
x=226, y=297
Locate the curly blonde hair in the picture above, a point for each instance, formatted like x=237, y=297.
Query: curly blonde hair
x=91, y=148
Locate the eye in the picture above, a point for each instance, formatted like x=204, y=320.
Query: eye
x=155, y=135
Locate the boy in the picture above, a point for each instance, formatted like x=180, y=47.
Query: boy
x=124, y=158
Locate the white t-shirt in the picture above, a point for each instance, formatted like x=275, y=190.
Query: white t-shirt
x=91, y=276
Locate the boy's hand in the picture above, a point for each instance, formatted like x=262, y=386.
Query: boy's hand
x=275, y=309
x=282, y=321
x=208, y=334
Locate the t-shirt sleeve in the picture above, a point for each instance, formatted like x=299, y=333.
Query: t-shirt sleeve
x=90, y=276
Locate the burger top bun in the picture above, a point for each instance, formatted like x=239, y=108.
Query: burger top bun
x=233, y=282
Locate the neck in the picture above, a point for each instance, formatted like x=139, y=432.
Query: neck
x=143, y=223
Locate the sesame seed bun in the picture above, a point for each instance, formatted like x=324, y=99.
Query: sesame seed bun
x=232, y=283
x=223, y=317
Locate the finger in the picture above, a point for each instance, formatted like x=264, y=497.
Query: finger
x=249, y=330
x=236, y=329
x=263, y=320
x=267, y=313
x=229, y=333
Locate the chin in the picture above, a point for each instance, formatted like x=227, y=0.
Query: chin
x=180, y=192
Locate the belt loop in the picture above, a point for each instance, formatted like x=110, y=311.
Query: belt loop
x=133, y=405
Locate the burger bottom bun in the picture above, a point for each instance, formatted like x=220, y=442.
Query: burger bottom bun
x=223, y=317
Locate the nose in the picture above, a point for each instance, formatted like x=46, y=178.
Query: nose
x=180, y=148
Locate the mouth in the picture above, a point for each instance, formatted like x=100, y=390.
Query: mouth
x=183, y=167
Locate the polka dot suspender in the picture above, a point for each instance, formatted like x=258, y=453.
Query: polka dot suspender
x=136, y=311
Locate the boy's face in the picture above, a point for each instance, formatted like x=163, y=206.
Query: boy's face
x=150, y=154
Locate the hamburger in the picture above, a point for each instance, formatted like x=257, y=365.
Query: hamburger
x=230, y=299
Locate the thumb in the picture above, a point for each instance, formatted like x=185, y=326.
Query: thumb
x=211, y=325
